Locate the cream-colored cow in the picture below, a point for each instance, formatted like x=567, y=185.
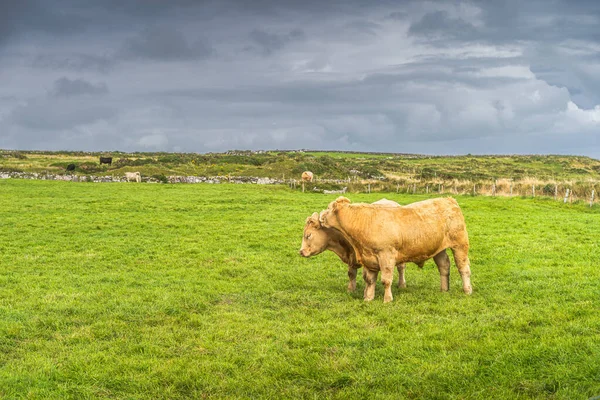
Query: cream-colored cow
x=133, y=176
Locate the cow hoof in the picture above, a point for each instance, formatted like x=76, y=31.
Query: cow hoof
x=468, y=290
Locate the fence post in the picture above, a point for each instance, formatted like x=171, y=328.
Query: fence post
x=555, y=191
x=533, y=190
x=369, y=187
x=566, y=196
x=414, y=188
x=494, y=189
x=511, y=185
x=592, y=199
x=302, y=186
x=397, y=188
x=474, y=190
x=427, y=189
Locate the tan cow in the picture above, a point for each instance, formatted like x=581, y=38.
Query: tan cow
x=133, y=176
x=317, y=239
x=386, y=236
x=307, y=176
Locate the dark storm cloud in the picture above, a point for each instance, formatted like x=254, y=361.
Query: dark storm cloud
x=65, y=87
x=267, y=43
x=397, y=15
x=446, y=76
x=74, y=62
x=51, y=115
x=440, y=25
x=165, y=43
x=38, y=16
x=363, y=27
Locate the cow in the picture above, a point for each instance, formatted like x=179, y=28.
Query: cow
x=133, y=176
x=386, y=236
x=317, y=239
x=106, y=160
x=71, y=167
x=336, y=191
x=307, y=176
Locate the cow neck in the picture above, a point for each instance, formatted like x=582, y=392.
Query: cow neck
x=349, y=221
x=340, y=246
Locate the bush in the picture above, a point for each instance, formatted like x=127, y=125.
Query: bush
x=548, y=189
x=125, y=162
x=161, y=178
x=17, y=155
x=89, y=167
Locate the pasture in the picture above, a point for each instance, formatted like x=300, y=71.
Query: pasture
x=148, y=291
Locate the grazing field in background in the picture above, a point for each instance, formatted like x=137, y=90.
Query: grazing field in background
x=144, y=291
x=325, y=165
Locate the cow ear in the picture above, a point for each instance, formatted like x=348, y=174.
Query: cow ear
x=340, y=201
x=314, y=220
x=333, y=206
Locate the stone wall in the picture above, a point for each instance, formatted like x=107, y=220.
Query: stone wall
x=170, y=179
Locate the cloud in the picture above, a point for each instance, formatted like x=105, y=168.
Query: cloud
x=438, y=76
x=397, y=15
x=267, y=43
x=54, y=114
x=154, y=141
x=439, y=25
x=65, y=87
x=163, y=43
x=362, y=27
x=73, y=62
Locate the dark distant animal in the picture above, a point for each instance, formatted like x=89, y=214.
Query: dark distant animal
x=105, y=160
x=71, y=167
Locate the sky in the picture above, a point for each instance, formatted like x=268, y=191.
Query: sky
x=427, y=77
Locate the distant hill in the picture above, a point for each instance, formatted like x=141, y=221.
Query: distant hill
x=324, y=164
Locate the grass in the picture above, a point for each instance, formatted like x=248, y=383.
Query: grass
x=140, y=291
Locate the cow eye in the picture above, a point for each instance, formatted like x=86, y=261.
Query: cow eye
x=308, y=236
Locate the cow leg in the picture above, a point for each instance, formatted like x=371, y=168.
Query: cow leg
x=370, y=278
x=461, y=258
x=387, y=277
x=401, y=281
x=443, y=263
x=352, y=276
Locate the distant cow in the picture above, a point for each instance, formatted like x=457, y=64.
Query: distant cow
x=386, y=236
x=336, y=191
x=106, y=160
x=133, y=177
x=71, y=167
x=317, y=239
x=307, y=176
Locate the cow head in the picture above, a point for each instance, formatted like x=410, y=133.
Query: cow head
x=327, y=217
x=315, y=239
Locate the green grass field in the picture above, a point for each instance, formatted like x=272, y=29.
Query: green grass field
x=142, y=291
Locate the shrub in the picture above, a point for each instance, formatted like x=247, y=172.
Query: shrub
x=89, y=167
x=161, y=178
x=125, y=162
